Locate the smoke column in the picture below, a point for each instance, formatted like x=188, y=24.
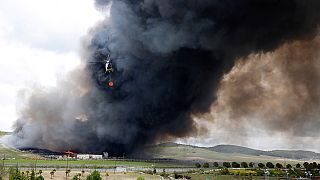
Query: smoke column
x=270, y=95
x=168, y=56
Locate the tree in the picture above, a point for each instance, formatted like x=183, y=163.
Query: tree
x=244, y=164
x=298, y=165
x=154, y=171
x=310, y=167
x=251, y=164
x=205, y=165
x=226, y=164
x=288, y=166
x=68, y=172
x=95, y=175
x=269, y=165
x=235, y=165
x=279, y=166
x=198, y=165
x=305, y=164
x=51, y=174
x=261, y=165
x=32, y=175
x=15, y=174
x=40, y=172
x=216, y=164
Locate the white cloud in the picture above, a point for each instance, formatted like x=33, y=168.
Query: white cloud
x=39, y=40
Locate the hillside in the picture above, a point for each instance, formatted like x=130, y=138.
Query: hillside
x=12, y=153
x=236, y=149
x=296, y=154
x=2, y=133
x=194, y=153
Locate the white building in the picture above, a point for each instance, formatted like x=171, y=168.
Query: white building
x=89, y=156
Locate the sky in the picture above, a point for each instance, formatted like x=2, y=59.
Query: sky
x=39, y=41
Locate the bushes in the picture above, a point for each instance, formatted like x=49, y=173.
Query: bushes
x=95, y=175
x=261, y=165
x=15, y=174
x=244, y=165
x=198, y=165
x=235, y=165
x=224, y=171
x=39, y=178
x=226, y=164
x=279, y=166
x=251, y=164
x=269, y=165
x=205, y=165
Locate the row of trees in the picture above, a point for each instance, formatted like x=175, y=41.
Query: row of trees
x=15, y=174
x=270, y=165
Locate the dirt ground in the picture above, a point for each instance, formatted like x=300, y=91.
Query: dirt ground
x=60, y=175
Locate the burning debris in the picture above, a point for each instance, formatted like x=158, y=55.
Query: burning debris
x=168, y=58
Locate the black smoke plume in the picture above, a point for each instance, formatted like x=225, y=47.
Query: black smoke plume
x=168, y=56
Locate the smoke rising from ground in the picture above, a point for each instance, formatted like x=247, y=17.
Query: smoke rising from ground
x=277, y=92
x=169, y=56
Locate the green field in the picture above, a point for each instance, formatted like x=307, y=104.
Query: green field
x=97, y=163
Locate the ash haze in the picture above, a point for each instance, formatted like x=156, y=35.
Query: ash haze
x=207, y=72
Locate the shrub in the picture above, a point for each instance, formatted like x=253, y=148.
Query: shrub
x=279, y=166
x=39, y=178
x=235, y=165
x=95, y=175
x=198, y=165
x=206, y=165
x=244, y=165
x=226, y=164
x=270, y=165
x=251, y=164
x=224, y=172
x=261, y=165
x=140, y=178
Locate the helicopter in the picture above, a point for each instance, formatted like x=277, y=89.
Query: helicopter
x=108, y=69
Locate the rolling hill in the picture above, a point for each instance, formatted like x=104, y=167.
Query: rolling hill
x=12, y=153
x=291, y=154
x=229, y=153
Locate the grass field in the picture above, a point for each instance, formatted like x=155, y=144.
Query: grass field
x=87, y=162
x=60, y=175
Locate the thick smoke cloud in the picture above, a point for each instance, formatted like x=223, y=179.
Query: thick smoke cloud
x=169, y=56
x=278, y=90
x=270, y=96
